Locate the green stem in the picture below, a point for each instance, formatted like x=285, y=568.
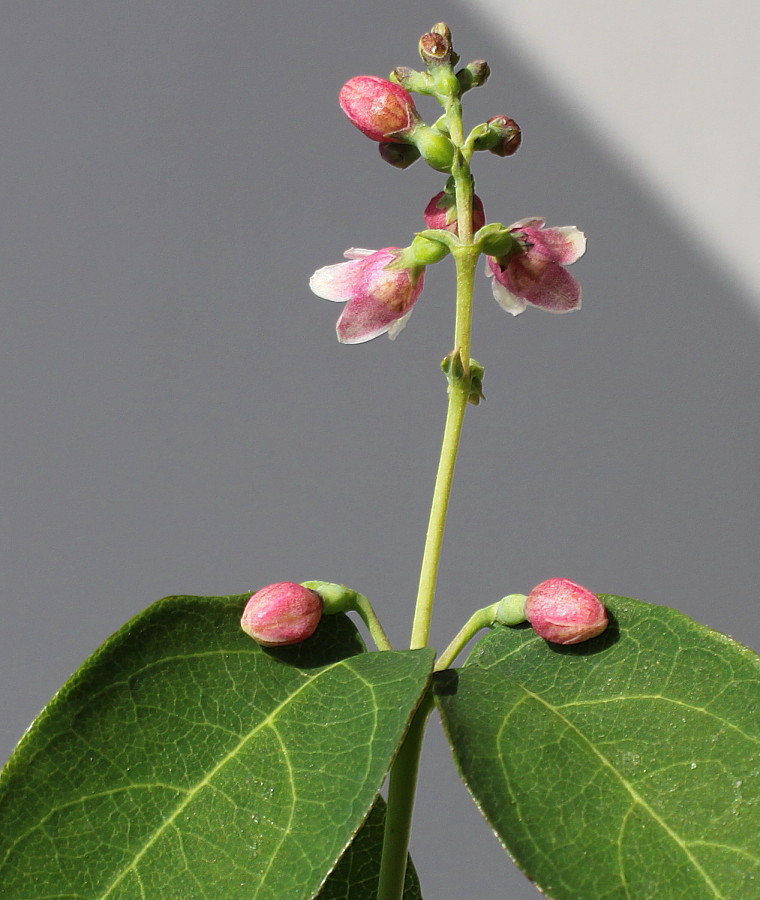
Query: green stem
x=364, y=608
x=398, y=817
x=403, y=778
x=481, y=618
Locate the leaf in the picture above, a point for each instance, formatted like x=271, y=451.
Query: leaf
x=184, y=761
x=624, y=767
x=356, y=875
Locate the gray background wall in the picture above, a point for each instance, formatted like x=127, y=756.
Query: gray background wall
x=178, y=417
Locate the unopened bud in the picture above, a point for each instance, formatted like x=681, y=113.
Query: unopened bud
x=380, y=109
x=474, y=74
x=441, y=212
x=400, y=156
x=563, y=612
x=435, y=48
x=412, y=80
x=502, y=138
x=281, y=614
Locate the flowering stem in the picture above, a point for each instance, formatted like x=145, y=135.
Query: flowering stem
x=398, y=817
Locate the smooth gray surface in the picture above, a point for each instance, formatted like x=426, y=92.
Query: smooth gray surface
x=178, y=416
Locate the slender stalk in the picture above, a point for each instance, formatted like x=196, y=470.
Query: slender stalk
x=403, y=778
x=481, y=618
x=398, y=817
x=364, y=608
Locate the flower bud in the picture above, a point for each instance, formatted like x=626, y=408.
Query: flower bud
x=474, y=74
x=281, y=614
x=400, y=156
x=380, y=109
x=411, y=80
x=502, y=138
x=441, y=212
x=563, y=612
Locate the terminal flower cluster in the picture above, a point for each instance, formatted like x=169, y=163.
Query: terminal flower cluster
x=381, y=287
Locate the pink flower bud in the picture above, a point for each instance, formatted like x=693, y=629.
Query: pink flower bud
x=441, y=212
x=563, y=612
x=380, y=109
x=281, y=614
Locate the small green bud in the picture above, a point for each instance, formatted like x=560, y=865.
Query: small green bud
x=502, y=136
x=335, y=597
x=474, y=74
x=426, y=250
x=511, y=610
x=412, y=80
x=436, y=149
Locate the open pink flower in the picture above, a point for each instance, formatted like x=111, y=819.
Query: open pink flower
x=536, y=275
x=380, y=299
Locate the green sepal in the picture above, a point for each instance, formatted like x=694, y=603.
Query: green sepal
x=496, y=240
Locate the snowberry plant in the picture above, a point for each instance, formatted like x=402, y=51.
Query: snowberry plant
x=256, y=747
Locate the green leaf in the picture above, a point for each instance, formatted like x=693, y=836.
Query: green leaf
x=624, y=767
x=357, y=874
x=184, y=761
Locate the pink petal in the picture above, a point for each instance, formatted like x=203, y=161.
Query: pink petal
x=562, y=245
x=384, y=303
x=546, y=285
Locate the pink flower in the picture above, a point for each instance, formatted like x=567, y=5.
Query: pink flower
x=281, y=614
x=380, y=298
x=563, y=612
x=380, y=109
x=535, y=274
x=441, y=212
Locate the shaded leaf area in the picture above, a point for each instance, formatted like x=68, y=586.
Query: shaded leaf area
x=624, y=767
x=356, y=875
x=184, y=761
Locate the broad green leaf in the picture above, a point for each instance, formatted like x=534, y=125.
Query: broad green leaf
x=356, y=875
x=624, y=767
x=184, y=761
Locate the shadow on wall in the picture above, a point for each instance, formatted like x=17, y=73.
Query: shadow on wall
x=179, y=417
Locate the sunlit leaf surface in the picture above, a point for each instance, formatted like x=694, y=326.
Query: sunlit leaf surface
x=625, y=767
x=184, y=761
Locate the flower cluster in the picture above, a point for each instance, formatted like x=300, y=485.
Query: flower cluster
x=381, y=287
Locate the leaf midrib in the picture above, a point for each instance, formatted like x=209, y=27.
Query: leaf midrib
x=634, y=794
x=192, y=792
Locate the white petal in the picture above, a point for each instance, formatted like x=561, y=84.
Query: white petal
x=357, y=253
x=398, y=326
x=334, y=282
x=507, y=300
